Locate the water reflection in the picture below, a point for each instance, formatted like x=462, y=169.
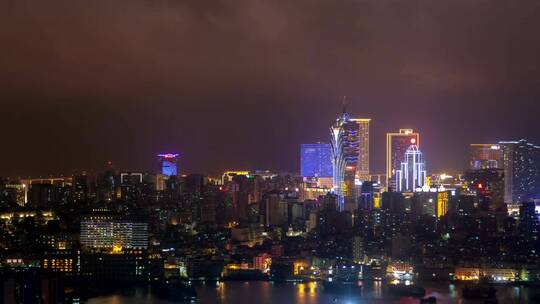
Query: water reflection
x=309, y=288
x=377, y=289
x=452, y=291
x=307, y=293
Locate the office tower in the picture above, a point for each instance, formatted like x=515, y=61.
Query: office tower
x=412, y=172
x=316, y=160
x=83, y=187
x=521, y=164
x=207, y=209
x=160, y=182
x=366, y=196
x=108, y=184
x=350, y=156
x=393, y=202
x=132, y=186
x=40, y=195
x=104, y=231
x=425, y=202
x=169, y=164
x=442, y=203
x=396, y=146
x=362, y=170
x=486, y=156
x=269, y=209
x=239, y=190
x=489, y=187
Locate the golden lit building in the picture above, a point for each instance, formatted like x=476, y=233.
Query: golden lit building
x=362, y=169
x=442, y=203
x=65, y=262
x=492, y=274
x=61, y=265
x=228, y=176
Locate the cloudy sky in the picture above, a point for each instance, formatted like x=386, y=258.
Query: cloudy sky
x=242, y=83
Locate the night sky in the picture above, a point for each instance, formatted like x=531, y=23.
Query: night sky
x=233, y=84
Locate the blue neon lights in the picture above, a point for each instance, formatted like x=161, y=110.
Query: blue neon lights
x=316, y=160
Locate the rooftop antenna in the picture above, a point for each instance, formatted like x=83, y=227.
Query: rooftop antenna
x=344, y=104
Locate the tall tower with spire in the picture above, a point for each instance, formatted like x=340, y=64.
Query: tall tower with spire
x=350, y=156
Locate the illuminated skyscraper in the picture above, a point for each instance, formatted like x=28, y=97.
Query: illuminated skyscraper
x=412, y=174
x=169, y=164
x=396, y=146
x=339, y=160
x=316, y=160
x=350, y=155
x=521, y=164
x=362, y=170
x=486, y=156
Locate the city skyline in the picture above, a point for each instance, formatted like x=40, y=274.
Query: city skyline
x=466, y=154
x=286, y=151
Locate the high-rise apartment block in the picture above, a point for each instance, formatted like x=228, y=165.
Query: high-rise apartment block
x=521, y=164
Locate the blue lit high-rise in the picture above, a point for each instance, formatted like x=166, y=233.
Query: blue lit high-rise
x=169, y=164
x=316, y=160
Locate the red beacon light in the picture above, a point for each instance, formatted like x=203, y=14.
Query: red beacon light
x=413, y=141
